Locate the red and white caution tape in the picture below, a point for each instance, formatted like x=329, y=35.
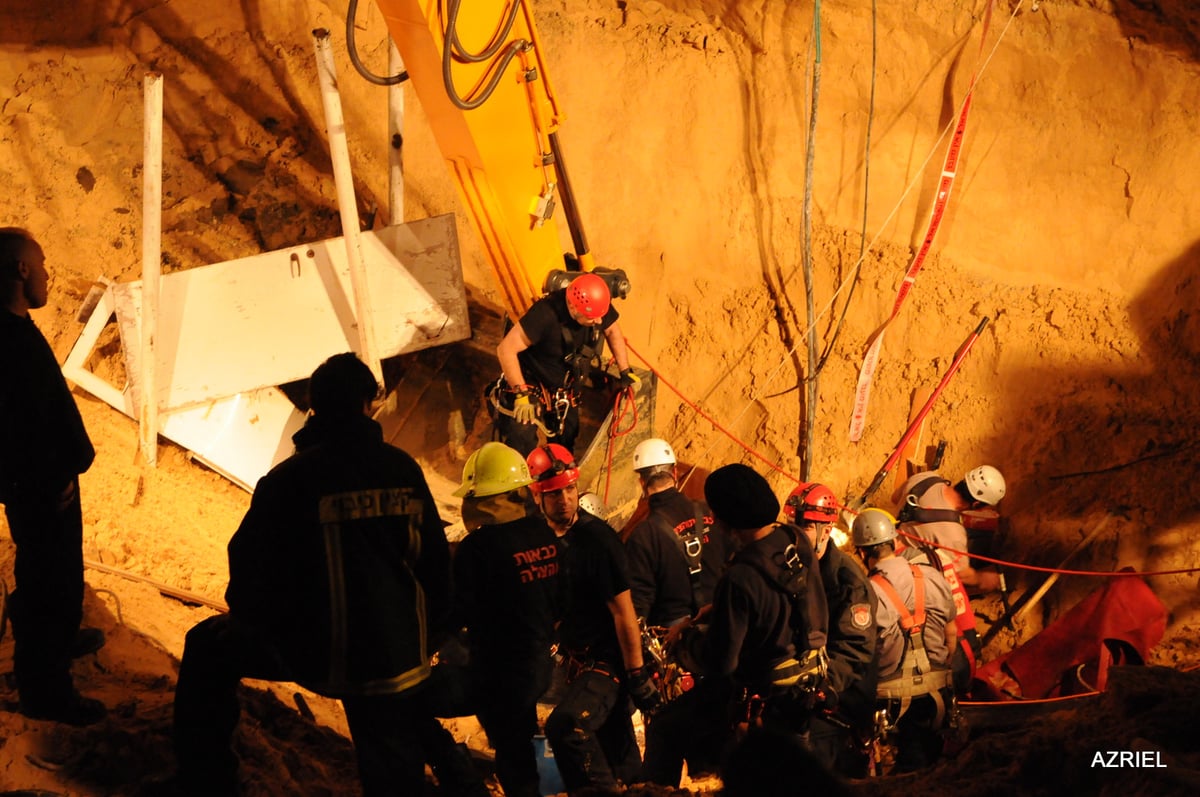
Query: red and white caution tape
x=862, y=393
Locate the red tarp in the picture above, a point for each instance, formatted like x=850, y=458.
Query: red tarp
x=1117, y=624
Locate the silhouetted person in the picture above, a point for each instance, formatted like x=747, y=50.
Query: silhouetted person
x=339, y=575
x=43, y=449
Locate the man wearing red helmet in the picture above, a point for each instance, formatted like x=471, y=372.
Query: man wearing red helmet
x=546, y=354
x=591, y=729
x=813, y=508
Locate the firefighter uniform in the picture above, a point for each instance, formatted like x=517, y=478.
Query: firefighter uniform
x=749, y=633
x=675, y=558
x=853, y=667
x=919, y=740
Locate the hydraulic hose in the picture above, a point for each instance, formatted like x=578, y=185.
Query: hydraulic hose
x=352, y=48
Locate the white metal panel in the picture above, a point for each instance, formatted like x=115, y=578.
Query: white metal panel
x=272, y=318
x=241, y=437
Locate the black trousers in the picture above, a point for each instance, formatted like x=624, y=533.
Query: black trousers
x=591, y=732
x=46, y=606
x=394, y=735
x=524, y=436
x=696, y=726
x=504, y=698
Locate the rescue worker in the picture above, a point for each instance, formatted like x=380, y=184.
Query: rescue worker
x=675, y=558
x=933, y=510
x=506, y=574
x=591, y=728
x=44, y=446
x=546, y=355
x=339, y=580
x=838, y=736
x=915, y=621
x=762, y=652
x=593, y=505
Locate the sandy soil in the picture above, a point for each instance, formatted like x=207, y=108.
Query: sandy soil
x=1071, y=226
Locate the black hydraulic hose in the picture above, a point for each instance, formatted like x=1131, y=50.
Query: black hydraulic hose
x=450, y=45
x=567, y=195
x=352, y=48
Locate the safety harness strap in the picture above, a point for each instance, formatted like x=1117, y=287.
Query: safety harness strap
x=916, y=676
x=911, y=510
x=689, y=540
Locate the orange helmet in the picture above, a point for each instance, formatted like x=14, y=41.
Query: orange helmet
x=813, y=502
x=588, y=295
x=552, y=467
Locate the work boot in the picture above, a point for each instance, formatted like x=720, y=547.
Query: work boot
x=73, y=709
x=87, y=640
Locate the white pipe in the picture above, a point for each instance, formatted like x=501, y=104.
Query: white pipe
x=151, y=262
x=339, y=153
x=395, y=137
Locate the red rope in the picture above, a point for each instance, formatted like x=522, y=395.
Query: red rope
x=1060, y=571
x=624, y=397
x=695, y=408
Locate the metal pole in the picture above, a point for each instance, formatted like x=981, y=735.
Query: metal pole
x=151, y=262
x=395, y=137
x=339, y=153
x=915, y=423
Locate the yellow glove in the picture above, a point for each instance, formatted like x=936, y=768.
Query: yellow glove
x=629, y=378
x=524, y=411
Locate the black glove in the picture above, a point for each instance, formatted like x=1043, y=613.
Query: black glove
x=629, y=378
x=645, y=695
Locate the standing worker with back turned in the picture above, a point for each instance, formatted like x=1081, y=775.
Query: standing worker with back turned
x=915, y=619
x=675, y=558
x=506, y=575
x=545, y=356
x=762, y=652
x=43, y=449
x=339, y=580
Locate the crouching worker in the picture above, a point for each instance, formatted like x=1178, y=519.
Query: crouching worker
x=338, y=574
x=762, y=653
x=915, y=618
x=506, y=574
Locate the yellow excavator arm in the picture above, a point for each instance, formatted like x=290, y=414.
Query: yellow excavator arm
x=479, y=74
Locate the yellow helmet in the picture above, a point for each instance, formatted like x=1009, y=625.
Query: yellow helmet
x=494, y=469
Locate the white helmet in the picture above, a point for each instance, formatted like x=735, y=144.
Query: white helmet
x=591, y=503
x=871, y=527
x=653, y=451
x=986, y=484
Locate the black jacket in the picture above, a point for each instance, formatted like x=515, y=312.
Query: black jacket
x=853, y=665
x=750, y=627
x=660, y=582
x=342, y=562
x=43, y=443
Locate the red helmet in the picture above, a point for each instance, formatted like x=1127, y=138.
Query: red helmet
x=588, y=295
x=813, y=502
x=552, y=467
